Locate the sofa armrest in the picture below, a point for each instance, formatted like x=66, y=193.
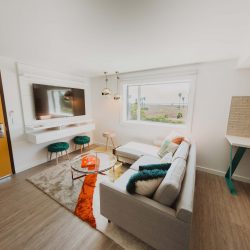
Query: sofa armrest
x=143, y=200
x=147, y=219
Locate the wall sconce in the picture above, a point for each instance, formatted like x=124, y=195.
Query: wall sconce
x=106, y=90
x=117, y=96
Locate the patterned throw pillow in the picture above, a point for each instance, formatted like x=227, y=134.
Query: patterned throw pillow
x=167, y=147
x=170, y=144
x=145, y=182
x=163, y=149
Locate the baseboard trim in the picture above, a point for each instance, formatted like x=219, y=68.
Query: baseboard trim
x=222, y=173
x=6, y=176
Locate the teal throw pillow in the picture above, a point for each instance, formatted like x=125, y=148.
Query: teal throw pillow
x=160, y=166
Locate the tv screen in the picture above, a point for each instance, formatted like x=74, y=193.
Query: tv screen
x=57, y=102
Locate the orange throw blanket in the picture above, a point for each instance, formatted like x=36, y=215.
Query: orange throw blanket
x=84, y=207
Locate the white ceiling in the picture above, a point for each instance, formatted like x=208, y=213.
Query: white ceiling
x=87, y=37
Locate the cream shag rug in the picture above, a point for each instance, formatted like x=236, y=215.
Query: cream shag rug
x=56, y=182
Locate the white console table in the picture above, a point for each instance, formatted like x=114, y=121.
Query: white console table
x=43, y=134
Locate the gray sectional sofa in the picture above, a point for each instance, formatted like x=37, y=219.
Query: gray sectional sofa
x=159, y=225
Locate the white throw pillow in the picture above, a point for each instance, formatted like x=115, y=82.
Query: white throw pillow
x=148, y=187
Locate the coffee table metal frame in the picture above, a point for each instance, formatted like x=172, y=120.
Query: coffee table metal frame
x=84, y=171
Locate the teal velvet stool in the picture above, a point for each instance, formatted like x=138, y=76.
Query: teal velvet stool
x=58, y=147
x=81, y=140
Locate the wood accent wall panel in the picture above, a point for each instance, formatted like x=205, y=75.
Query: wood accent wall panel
x=239, y=117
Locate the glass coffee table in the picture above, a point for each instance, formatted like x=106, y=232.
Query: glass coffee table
x=92, y=162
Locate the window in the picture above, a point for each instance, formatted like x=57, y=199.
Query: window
x=166, y=103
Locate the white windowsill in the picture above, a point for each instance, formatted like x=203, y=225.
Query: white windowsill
x=155, y=124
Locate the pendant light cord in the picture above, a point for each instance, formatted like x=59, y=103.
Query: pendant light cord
x=117, y=82
x=106, y=80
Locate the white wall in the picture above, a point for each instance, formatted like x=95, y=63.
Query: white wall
x=29, y=75
x=216, y=83
x=26, y=154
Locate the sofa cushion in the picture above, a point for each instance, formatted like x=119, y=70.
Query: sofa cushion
x=145, y=182
x=134, y=150
x=130, y=153
x=184, y=203
x=167, y=158
x=161, y=166
x=145, y=160
x=122, y=181
x=170, y=187
x=182, y=151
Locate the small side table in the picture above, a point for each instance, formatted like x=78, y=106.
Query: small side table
x=109, y=136
x=242, y=143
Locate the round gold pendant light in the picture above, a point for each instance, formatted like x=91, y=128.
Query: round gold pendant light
x=106, y=90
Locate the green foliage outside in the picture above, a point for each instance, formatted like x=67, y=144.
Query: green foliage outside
x=133, y=111
x=160, y=118
x=179, y=115
x=154, y=118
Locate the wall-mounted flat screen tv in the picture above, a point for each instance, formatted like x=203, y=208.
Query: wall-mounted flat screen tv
x=57, y=102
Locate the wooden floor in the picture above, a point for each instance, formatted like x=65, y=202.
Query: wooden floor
x=29, y=219
x=221, y=220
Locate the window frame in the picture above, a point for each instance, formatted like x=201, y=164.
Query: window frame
x=141, y=82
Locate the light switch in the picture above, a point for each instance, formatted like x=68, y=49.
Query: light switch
x=2, y=132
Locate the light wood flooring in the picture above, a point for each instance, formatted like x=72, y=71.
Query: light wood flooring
x=29, y=219
x=221, y=220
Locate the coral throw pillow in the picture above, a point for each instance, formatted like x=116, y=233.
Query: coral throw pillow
x=178, y=140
